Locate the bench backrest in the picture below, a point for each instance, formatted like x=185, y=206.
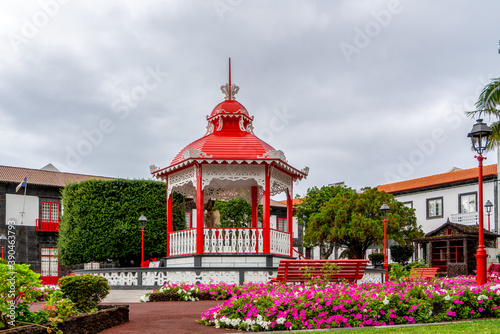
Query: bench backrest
x=424, y=272
x=305, y=270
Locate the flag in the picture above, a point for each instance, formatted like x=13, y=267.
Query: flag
x=22, y=184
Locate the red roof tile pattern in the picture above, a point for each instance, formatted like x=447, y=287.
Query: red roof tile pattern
x=438, y=179
x=43, y=177
x=295, y=201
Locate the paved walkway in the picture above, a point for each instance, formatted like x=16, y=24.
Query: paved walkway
x=161, y=317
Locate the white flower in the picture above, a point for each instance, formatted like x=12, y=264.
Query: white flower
x=280, y=321
x=145, y=298
x=386, y=301
x=448, y=297
x=482, y=297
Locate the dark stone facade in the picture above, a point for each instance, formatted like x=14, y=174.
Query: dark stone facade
x=28, y=241
x=451, y=248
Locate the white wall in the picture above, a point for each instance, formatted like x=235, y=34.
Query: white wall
x=450, y=203
x=14, y=207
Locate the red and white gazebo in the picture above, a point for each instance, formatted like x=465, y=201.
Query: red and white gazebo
x=229, y=162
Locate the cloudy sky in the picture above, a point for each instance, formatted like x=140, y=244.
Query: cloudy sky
x=365, y=92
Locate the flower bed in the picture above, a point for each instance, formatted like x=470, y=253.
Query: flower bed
x=281, y=307
x=108, y=316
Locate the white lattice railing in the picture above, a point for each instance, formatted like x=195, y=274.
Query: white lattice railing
x=470, y=218
x=233, y=240
x=183, y=242
x=280, y=242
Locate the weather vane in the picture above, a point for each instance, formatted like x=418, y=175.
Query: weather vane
x=229, y=90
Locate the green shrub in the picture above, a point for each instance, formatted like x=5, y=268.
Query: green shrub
x=377, y=259
x=18, y=289
x=402, y=254
x=86, y=291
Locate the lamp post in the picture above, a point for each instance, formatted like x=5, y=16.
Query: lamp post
x=488, y=207
x=385, y=209
x=479, y=136
x=142, y=224
x=2, y=238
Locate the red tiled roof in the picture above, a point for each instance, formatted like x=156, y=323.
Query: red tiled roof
x=294, y=201
x=438, y=179
x=43, y=177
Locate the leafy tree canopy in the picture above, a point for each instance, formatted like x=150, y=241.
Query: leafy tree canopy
x=353, y=220
x=314, y=199
x=99, y=220
x=235, y=212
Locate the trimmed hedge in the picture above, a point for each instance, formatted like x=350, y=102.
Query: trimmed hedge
x=86, y=291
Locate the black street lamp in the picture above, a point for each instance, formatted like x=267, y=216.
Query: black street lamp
x=142, y=225
x=488, y=207
x=480, y=135
x=3, y=238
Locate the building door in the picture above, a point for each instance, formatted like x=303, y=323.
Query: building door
x=50, y=265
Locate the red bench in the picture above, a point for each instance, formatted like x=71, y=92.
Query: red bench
x=301, y=271
x=493, y=270
x=423, y=273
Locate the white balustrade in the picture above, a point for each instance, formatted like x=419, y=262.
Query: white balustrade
x=229, y=241
x=280, y=242
x=183, y=242
x=470, y=218
x=233, y=240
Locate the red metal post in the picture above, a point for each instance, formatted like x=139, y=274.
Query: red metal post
x=489, y=214
x=255, y=207
x=2, y=253
x=481, y=252
x=266, y=212
x=170, y=220
x=289, y=217
x=142, y=253
x=200, y=212
x=386, y=265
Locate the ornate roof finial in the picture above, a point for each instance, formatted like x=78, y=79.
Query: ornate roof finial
x=229, y=89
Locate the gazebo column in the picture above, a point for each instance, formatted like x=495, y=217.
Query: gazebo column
x=266, y=212
x=289, y=216
x=255, y=207
x=200, y=212
x=170, y=219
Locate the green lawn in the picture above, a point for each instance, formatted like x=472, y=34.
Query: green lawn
x=472, y=327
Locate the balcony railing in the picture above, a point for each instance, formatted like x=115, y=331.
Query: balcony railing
x=470, y=218
x=47, y=225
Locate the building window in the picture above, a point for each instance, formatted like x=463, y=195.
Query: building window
x=50, y=262
x=467, y=202
x=188, y=219
x=92, y=265
x=282, y=224
x=50, y=212
x=408, y=204
x=435, y=208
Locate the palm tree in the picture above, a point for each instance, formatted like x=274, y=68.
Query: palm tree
x=488, y=104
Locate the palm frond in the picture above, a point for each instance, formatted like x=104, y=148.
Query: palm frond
x=489, y=98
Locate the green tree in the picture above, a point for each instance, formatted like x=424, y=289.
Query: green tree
x=353, y=220
x=314, y=199
x=402, y=253
x=488, y=104
x=99, y=220
x=235, y=212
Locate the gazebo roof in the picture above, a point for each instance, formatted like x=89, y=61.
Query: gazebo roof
x=230, y=139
